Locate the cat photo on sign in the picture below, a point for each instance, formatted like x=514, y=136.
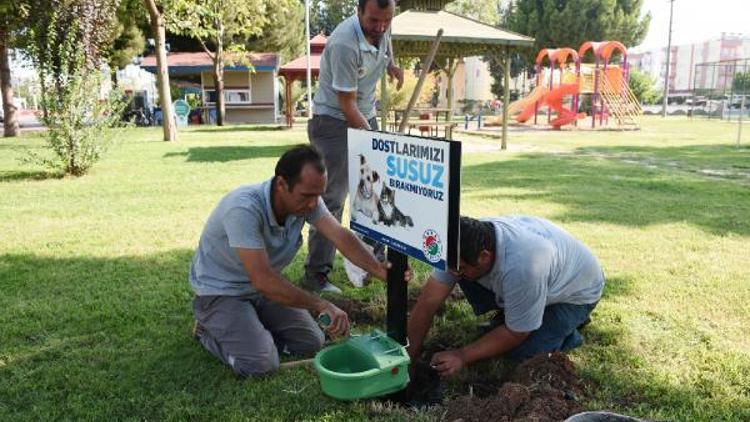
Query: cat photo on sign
x=388, y=213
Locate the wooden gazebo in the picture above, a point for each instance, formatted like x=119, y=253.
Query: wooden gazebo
x=414, y=29
x=297, y=70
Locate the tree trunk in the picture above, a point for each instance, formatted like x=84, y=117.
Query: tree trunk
x=162, y=74
x=43, y=93
x=113, y=75
x=9, y=108
x=219, y=78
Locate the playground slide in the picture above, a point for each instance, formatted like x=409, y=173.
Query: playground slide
x=554, y=100
x=526, y=104
x=527, y=113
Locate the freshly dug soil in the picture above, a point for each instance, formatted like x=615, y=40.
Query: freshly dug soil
x=544, y=388
x=360, y=312
x=425, y=387
x=372, y=313
x=554, y=370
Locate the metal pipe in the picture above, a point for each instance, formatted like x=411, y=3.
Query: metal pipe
x=506, y=98
x=669, y=51
x=538, y=81
x=595, y=96
x=309, y=71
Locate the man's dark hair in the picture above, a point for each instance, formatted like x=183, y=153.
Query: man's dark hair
x=381, y=3
x=476, y=236
x=290, y=164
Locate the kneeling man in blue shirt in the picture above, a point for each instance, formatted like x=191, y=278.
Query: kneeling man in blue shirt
x=245, y=310
x=544, y=281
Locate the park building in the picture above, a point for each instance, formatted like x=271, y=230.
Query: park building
x=251, y=92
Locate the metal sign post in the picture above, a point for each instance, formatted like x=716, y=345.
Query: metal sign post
x=405, y=195
x=397, y=306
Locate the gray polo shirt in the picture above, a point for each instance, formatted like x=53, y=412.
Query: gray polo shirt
x=244, y=219
x=350, y=63
x=536, y=264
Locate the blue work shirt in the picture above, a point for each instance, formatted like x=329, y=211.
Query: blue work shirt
x=536, y=264
x=244, y=218
x=351, y=64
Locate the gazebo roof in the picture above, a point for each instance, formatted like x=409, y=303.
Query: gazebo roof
x=297, y=68
x=414, y=30
x=318, y=43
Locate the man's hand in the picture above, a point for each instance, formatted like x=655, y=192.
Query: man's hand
x=339, y=320
x=448, y=363
x=398, y=73
x=382, y=272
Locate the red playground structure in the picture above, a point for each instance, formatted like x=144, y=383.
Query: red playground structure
x=562, y=86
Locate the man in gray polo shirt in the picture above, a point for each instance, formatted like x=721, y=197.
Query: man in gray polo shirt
x=245, y=310
x=356, y=55
x=544, y=281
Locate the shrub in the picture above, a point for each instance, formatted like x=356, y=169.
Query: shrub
x=79, y=119
x=79, y=124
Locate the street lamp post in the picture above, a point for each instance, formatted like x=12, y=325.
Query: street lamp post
x=669, y=50
x=309, y=72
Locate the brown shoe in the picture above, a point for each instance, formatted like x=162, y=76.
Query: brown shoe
x=198, y=330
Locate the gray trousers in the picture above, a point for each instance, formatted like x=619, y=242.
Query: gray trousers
x=328, y=135
x=247, y=332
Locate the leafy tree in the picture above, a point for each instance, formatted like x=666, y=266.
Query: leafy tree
x=496, y=63
x=486, y=11
x=741, y=83
x=570, y=23
x=283, y=29
x=325, y=15
x=128, y=38
x=219, y=25
x=90, y=23
x=67, y=48
x=642, y=86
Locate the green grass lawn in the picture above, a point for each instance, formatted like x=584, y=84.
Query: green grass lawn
x=95, y=308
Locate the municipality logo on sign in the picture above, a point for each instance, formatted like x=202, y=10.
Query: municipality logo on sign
x=432, y=247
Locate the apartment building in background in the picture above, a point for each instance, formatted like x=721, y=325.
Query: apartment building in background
x=683, y=76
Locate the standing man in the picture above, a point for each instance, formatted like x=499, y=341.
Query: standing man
x=356, y=54
x=245, y=310
x=544, y=280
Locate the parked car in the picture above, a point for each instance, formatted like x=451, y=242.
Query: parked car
x=697, y=101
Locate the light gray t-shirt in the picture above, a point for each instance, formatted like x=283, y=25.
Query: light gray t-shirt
x=536, y=264
x=244, y=219
x=350, y=63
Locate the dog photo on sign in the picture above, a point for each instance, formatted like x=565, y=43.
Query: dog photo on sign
x=388, y=213
x=366, y=198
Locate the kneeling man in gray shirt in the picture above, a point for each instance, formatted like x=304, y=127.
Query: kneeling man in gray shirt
x=245, y=310
x=540, y=278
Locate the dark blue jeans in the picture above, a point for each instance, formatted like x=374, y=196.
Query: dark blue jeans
x=559, y=330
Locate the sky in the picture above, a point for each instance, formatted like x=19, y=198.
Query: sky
x=695, y=20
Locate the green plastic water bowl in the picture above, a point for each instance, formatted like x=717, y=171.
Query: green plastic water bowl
x=362, y=367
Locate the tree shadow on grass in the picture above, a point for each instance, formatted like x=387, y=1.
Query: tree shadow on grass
x=218, y=129
x=109, y=338
x=223, y=154
x=604, y=186
x=623, y=380
x=21, y=176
